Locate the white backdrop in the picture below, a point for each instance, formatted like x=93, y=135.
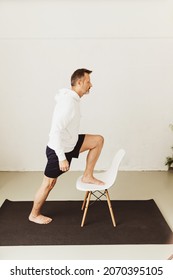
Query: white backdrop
x=131, y=55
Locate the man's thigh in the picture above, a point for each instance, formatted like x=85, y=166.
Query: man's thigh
x=90, y=142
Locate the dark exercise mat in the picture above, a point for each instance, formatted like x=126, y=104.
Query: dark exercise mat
x=138, y=222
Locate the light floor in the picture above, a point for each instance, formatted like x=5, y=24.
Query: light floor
x=129, y=185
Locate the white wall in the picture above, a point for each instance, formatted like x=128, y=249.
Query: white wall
x=129, y=46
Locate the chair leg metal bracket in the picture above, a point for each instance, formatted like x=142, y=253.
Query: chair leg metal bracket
x=86, y=204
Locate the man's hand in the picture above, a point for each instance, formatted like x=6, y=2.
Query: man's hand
x=64, y=165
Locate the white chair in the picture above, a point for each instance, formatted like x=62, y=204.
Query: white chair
x=108, y=177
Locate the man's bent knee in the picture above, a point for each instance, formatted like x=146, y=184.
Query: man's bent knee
x=49, y=183
x=100, y=139
x=52, y=183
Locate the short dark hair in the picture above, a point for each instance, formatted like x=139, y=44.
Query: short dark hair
x=79, y=73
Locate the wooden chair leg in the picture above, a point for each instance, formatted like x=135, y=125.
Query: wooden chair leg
x=110, y=208
x=85, y=199
x=170, y=258
x=86, y=208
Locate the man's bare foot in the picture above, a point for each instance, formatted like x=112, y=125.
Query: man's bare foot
x=40, y=219
x=92, y=180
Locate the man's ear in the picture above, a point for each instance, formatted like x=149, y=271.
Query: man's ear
x=79, y=82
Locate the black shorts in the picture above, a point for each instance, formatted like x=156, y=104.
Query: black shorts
x=52, y=168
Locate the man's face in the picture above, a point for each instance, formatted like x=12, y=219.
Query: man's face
x=85, y=83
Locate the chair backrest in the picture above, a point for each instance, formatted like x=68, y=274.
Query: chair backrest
x=111, y=173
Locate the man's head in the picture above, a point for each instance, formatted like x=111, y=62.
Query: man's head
x=80, y=81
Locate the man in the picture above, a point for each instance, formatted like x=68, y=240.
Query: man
x=65, y=143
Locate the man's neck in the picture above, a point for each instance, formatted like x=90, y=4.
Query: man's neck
x=77, y=91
